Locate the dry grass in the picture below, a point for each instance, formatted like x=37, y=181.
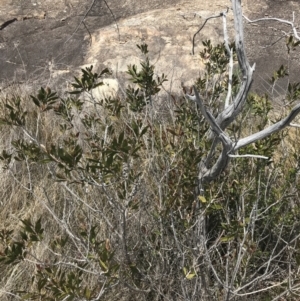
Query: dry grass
x=27, y=190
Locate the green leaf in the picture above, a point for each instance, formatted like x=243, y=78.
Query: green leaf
x=202, y=199
x=35, y=100
x=38, y=227
x=227, y=238
x=190, y=276
x=87, y=293
x=103, y=265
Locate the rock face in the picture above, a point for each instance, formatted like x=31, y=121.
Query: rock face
x=45, y=42
x=266, y=44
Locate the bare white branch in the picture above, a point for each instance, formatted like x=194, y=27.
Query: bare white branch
x=229, y=114
x=277, y=20
x=270, y=130
x=248, y=156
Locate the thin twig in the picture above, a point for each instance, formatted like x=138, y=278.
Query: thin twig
x=82, y=20
x=88, y=32
x=84, y=17
x=115, y=20
x=212, y=17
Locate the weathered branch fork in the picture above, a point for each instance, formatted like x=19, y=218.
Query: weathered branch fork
x=230, y=112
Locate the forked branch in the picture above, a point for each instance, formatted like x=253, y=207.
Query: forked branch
x=230, y=112
x=230, y=147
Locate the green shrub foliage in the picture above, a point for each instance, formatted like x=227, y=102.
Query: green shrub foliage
x=111, y=191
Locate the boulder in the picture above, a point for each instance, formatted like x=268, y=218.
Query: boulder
x=46, y=42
